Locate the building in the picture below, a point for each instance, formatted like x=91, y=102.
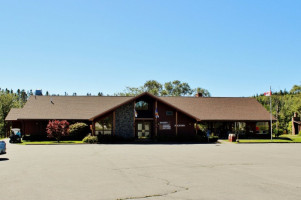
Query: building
x=296, y=124
x=145, y=115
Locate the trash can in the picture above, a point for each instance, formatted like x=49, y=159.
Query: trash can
x=232, y=137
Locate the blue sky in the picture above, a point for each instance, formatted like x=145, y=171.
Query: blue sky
x=232, y=48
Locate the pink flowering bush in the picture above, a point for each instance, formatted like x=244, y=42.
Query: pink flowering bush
x=57, y=129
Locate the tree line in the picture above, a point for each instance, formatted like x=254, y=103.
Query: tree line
x=171, y=88
x=284, y=105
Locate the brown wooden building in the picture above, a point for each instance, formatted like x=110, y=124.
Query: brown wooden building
x=144, y=116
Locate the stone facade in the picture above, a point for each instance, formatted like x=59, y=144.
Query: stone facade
x=124, y=121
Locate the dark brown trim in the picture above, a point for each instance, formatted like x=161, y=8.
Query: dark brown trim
x=156, y=119
x=134, y=119
x=55, y=119
x=176, y=122
x=238, y=120
x=142, y=119
x=114, y=123
x=93, y=128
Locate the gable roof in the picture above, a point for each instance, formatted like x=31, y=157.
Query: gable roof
x=91, y=107
x=221, y=108
x=13, y=114
x=68, y=107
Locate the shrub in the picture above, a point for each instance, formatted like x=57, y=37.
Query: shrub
x=213, y=139
x=90, y=139
x=299, y=133
x=278, y=132
x=57, y=128
x=79, y=130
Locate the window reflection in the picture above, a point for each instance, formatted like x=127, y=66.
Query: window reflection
x=104, y=126
x=141, y=105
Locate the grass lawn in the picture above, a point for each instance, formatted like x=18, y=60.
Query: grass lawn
x=25, y=142
x=280, y=139
x=294, y=138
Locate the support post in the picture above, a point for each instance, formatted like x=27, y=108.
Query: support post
x=271, y=113
x=176, y=123
x=156, y=119
x=93, y=128
x=23, y=127
x=134, y=121
x=114, y=123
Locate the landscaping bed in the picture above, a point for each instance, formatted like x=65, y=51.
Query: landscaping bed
x=25, y=142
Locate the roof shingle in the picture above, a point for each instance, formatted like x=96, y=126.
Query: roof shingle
x=221, y=108
x=87, y=107
x=13, y=114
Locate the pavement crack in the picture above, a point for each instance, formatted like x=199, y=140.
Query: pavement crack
x=167, y=182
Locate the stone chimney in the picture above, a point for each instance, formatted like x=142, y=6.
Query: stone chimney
x=199, y=95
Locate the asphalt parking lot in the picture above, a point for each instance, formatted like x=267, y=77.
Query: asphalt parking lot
x=162, y=171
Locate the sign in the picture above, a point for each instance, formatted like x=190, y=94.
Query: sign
x=164, y=126
x=180, y=125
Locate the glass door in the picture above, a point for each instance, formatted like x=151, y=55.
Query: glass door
x=143, y=130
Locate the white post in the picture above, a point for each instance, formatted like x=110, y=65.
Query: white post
x=271, y=113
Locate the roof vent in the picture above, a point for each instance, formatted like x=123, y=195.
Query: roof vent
x=38, y=93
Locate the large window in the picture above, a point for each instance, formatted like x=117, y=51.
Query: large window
x=104, y=126
x=239, y=127
x=262, y=127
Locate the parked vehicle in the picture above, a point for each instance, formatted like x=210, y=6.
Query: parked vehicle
x=15, y=136
x=2, y=147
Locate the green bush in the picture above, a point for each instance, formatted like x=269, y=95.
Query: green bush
x=299, y=133
x=78, y=130
x=278, y=132
x=213, y=139
x=90, y=139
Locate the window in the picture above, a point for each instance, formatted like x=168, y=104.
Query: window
x=239, y=127
x=169, y=113
x=141, y=105
x=262, y=127
x=104, y=126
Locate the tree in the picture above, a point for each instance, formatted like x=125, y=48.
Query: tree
x=79, y=130
x=131, y=91
x=57, y=129
x=153, y=87
x=7, y=101
x=171, y=88
x=203, y=91
x=23, y=97
x=176, y=88
x=297, y=106
x=296, y=89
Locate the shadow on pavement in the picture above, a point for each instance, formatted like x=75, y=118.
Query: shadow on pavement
x=3, y=159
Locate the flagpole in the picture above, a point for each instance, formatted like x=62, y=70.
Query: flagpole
x=271, y=113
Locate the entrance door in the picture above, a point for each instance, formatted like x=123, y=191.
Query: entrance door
x=143, y=130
